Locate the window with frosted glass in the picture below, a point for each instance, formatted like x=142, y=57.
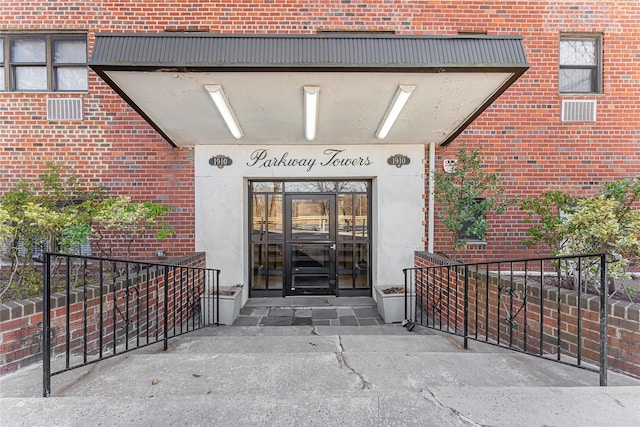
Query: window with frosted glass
x=2, y=85
x=580, y=65
x=43, y=63
x=29, y=59
x=69, y=57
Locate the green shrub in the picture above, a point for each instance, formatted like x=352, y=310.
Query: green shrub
x=608, y=222
x=58, y=213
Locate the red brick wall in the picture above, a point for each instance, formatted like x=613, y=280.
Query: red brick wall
x=521, y=134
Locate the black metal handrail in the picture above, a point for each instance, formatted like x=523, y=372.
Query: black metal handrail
x=535, y=306
x=105, y=307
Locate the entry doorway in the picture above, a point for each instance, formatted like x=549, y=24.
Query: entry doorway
x=310, y=238
x=310, y=244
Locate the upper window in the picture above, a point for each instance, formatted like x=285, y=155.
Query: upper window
x=43, y=63
x=580, y=64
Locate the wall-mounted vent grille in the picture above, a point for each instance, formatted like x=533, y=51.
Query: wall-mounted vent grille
x=64, y=109
x=579, y=110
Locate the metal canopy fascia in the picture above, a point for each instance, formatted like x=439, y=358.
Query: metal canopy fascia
x=117, y=57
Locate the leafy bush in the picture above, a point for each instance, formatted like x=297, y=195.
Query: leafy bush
x=468, y=193
x=608, y=222
x=58, y=213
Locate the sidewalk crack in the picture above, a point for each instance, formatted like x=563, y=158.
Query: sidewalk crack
x=342, y=361
x=430, y=396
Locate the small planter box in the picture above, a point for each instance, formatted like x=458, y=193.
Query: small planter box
x=229, y=306
x=391, y=305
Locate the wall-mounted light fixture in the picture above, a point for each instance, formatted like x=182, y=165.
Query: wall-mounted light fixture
x=399, y=100
x=222, y=103
x=311, y=94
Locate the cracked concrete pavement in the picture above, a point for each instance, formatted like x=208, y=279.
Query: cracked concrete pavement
x=235, y=376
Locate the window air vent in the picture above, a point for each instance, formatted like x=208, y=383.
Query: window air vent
x=64, y=108
x=579, y=110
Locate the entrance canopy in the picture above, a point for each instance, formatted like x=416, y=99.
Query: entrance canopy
x=200, y=88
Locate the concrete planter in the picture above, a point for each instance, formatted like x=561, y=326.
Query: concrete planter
x=391, y=306
x=229, y=306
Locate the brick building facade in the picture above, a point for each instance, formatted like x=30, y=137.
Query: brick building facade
x=522, y=133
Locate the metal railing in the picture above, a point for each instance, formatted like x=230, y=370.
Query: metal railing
x=96, y=308
x=549, y=307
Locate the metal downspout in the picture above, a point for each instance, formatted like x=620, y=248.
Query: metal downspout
x=431, y=196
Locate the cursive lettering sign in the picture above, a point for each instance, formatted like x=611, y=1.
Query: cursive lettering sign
x=261, y=158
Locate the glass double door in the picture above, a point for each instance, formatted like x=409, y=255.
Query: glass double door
x=310, y=244
x=310, y=237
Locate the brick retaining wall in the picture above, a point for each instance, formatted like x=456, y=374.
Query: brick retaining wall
x=524, y=335
x=21, y=321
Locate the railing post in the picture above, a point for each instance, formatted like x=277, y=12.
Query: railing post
x=406, y=295
x=466, y=307
x=217, y=298
x=604, y=321
x=166, y=308
x=46, y=327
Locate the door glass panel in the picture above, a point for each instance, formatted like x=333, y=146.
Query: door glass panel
x=361, y=261
x=353, y=265
x=310, y=258
x=345, y=281
x=345, y=216
x=275, y=217
x=310, y=219
x=361, y=216
x=275, y=256
x=345, y=265
x=311, y=187
x=354, y=187
x=267, y=266
x=310, y=264
x=259, y=268
x=266, y=187
x=258, y=218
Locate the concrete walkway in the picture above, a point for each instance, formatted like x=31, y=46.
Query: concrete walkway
x=320, y=375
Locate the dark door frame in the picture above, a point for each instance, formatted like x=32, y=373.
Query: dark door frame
x=316, y=270
x=352, y=258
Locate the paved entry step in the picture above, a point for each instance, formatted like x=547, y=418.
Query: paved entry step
x=310, y=311
x=324, y=376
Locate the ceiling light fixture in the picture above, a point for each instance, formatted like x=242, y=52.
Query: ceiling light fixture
x=311, y=94
x=222, y=103
x=399, y=100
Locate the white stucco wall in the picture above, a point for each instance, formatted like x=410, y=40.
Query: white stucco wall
x=222, y=197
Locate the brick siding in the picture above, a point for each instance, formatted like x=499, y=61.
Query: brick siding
x=521, y=133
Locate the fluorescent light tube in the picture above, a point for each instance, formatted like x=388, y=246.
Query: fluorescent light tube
x=311, y=94
x=399, y=100
x=222, y=103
